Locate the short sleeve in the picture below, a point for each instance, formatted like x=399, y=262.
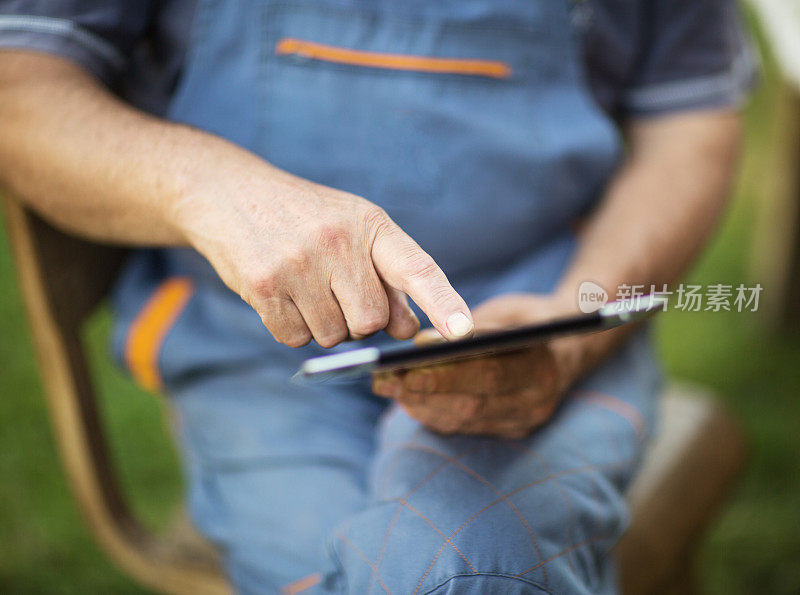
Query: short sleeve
x=696, y=54
x=97, y=34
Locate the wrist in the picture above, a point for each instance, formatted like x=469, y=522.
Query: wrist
x=571, y=356
x=577, y=355
x=208, y=181
x=571, y=353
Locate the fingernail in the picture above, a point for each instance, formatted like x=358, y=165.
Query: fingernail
x=459, y=325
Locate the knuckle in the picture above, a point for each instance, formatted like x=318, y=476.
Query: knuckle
x=295, y=260
x=422, y=266
x=332, y=338
x=266, y=320
x=493, y=374
x=543, y=412
x=423, y=380
x=269, y=308
x=413, y=410
x=442, y=293
x=376, y=218
x=333, y=236
x=370, y=322
x=448, y=424
x=443, y=426
x=264, y=283
x=469, y=408
x=297, y=339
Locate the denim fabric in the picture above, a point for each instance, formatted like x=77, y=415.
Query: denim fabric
x=330, y=486
x=488, y=175
x=642, y=58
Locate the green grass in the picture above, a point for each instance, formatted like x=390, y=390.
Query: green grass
x=754, y=548
x=44, y=545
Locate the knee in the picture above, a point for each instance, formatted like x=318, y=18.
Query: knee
x=485, y=584
x=400, y=548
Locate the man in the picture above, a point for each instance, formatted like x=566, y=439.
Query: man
x=307, y=164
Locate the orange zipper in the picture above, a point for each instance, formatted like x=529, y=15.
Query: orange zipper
x=339, y=55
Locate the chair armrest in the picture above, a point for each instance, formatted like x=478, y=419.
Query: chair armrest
x=687, y=473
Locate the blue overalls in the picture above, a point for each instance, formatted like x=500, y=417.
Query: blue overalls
x=470, y=123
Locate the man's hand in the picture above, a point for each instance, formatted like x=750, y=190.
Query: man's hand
x=506, y=395
x=318, y=262
x=312, y=261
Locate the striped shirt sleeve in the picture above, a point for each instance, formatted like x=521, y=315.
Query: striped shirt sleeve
x=97, y=34
x=697, y=55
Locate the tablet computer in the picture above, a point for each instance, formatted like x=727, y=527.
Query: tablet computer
x=358, y=363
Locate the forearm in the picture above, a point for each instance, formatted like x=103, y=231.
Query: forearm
x=313, y=261
x=662, y=205
x=656, y=215
x=93, y=165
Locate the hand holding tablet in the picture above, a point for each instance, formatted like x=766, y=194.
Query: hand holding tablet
x=362, y=362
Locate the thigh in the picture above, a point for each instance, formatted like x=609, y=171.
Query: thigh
x=462, y=514
x=272, y=467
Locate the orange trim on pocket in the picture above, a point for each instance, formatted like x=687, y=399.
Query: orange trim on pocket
x=150, y=328
x=304, y=584
x=339, y=55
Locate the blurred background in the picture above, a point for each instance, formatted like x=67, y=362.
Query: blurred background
x=751, y=361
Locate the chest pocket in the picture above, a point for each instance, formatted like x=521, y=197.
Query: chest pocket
x=408, y=63
x=386, y=105
x=464, y=119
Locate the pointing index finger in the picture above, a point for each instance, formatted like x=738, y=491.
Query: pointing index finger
x=405, y=266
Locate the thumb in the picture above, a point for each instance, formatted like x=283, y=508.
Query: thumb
x=402, y=264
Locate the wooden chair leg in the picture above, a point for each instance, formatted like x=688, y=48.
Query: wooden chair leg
x=685, y=580
x=686, y=476
x=59, y=295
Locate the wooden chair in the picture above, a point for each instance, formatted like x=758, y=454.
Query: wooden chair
x=686, y=476
x=775, y=177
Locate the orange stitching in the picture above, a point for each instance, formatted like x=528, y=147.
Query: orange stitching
x=496, y=491
x=495, y=502
x=383, y=547
x=587, y=467
x=435, y=528
x=559, y=487
x=576, y=470
x=340, y=55
x=150, y=328
x=552, y=476
x=430, y=567
x=618, y=406
x=566, y=551
x=611, y=436
x=389, y=472
x=401, y=448
x=396, y=462
x=595, y=492
x=575, y=443
x=302, y=584
x=411, y=446
x=361, y=555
